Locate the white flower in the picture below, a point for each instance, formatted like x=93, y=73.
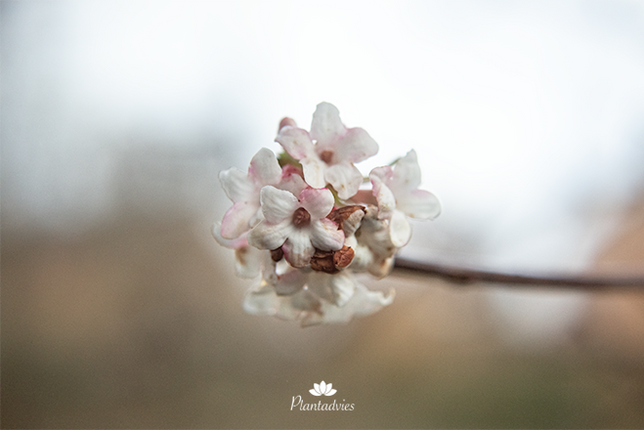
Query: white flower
x=312, y=303
x=330, y=160
x=296, y=224
x=397, y=193
x=243, y=189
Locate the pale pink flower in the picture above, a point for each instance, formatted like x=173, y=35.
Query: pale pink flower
x=296, y=224
x=397, y=193
x=330, y=160
x=244, y=189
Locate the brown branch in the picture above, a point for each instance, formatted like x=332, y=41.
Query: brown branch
x=469, y=276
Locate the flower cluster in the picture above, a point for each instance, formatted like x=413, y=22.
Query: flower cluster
x=305, y=222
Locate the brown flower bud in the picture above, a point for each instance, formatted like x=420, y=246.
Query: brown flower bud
x=322, y=261
x=342, y=257
x=340, y=215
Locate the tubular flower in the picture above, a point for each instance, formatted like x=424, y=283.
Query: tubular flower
x=243, y=190
x=396, y=191
x=305, y=228
x=330, y=160
x=297, y=225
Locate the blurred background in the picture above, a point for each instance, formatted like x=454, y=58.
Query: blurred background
x=119, y=310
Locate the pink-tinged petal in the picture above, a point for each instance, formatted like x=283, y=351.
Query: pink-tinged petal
x=326, y=125
x=298, y=249
x=292, y=181
x=313, y=169
x=399, y=229
x=384, y=173
x=264, y=168
x=317, y=201
x=295, y=141
x=355, y=146
x=384, y=196
x=237, y=186
x=270, y=236
x=345, y=178
x=325, y=236
x=228, y=243
x=237, y=220
x=420, y=204
x=277, y=205
x=407, y=174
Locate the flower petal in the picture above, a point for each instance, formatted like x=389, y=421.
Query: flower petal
x=270, y=236
x=292, y=180
x=355, y=146
x=237, y=186
x=363, y=302
x=296, y=141
x=343, y=288
x=407, y=173
x=326, y=125
x=262, y=301
x=399, y=229
x=277, y=205
x=419, y=204
x=264, y=168
x=325, y=236
x=345, y=178
x=317, y=201
x=384, y=196
x=290, y=283
x=248, y=261
x=313, y=169
x=228, y=243
x=298, y=249
x=237, y=219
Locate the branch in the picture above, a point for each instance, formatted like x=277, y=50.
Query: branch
x=470, y=276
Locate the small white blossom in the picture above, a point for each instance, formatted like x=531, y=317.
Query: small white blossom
x=244, y=188
x=297, y=225
x=330, y=160
x=396, y=190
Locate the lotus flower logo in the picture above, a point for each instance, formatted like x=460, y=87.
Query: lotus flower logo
x=323, y=389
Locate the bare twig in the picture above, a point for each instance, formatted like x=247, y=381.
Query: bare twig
x=469, y=276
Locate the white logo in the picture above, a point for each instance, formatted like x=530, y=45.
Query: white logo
x=323, y=389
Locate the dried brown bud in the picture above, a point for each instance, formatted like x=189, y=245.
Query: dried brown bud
x=322, y=261
x=340, y=215
x=277, y=254
x=301, y=217
x=342, y=257
x=332, y=261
